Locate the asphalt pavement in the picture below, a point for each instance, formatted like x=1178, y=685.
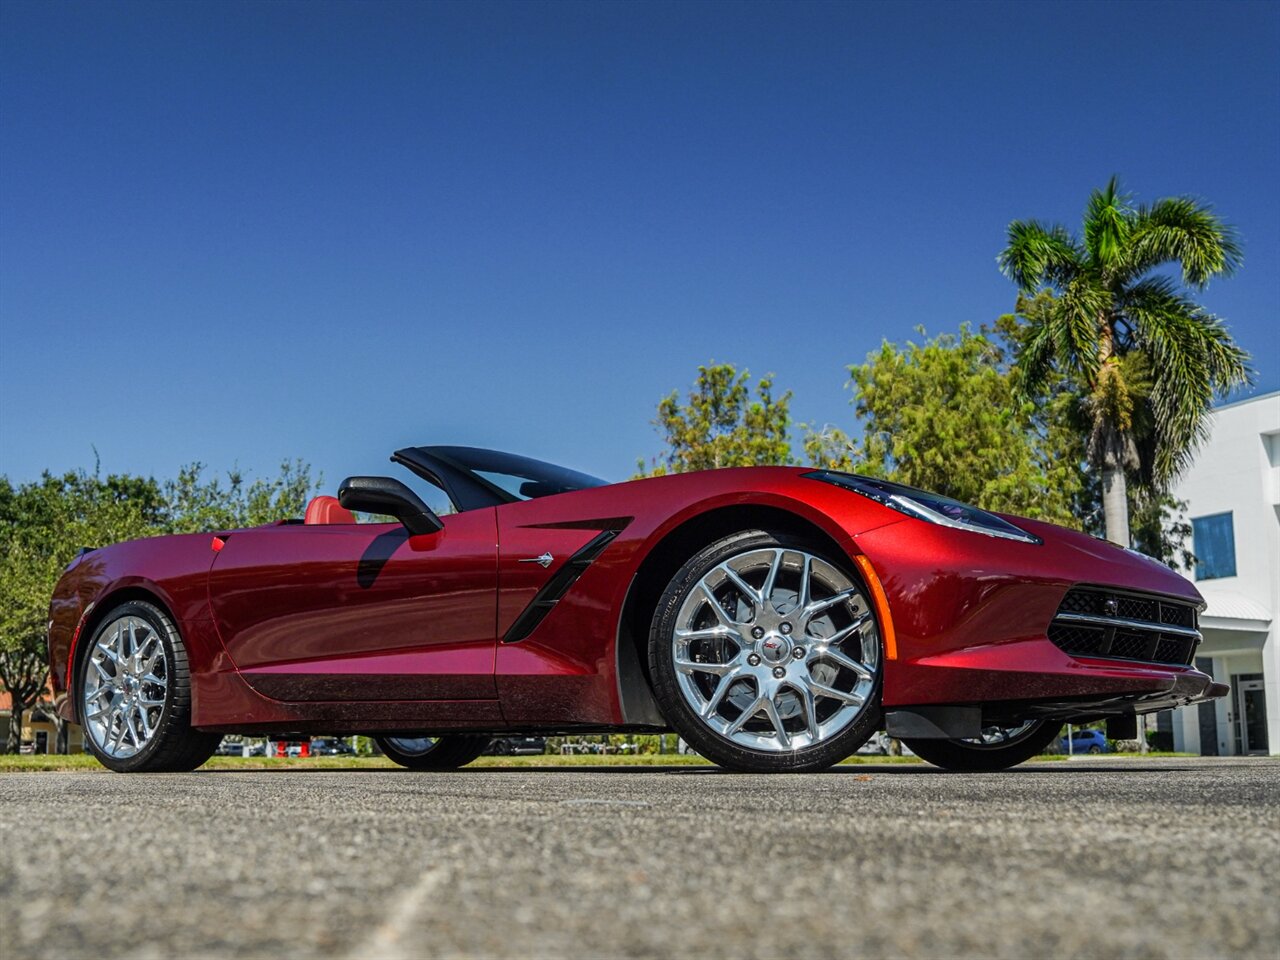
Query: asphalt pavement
x=1108, y=858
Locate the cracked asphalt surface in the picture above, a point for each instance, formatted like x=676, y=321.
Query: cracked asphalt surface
x=1106, y=858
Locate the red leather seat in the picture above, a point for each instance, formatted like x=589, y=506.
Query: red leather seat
x=327, y=510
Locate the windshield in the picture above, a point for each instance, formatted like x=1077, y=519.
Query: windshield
x=475, y=478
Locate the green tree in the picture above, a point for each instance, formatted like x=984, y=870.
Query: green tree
x=947, y=415
x=721, y=425
x=195, y=504
x=43, y=525
x=1148, y=359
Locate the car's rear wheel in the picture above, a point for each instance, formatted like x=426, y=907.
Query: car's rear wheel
x=135, y=694
x=765, y=655
x=433, y=753
x=999, y=747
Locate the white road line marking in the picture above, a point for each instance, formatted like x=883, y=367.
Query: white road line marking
x=388, y=941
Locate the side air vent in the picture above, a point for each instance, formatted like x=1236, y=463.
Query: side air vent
x=1118, y=625
x=557, y=586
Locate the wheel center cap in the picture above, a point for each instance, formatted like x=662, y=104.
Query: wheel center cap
x=774, y=648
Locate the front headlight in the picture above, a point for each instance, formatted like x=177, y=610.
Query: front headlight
x=923, y=505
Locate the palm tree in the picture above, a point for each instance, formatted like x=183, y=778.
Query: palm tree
x=1149, y=360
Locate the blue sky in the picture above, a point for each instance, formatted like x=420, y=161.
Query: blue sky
x=240, y=232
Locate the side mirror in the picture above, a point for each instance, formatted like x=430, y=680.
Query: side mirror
x=385, y=495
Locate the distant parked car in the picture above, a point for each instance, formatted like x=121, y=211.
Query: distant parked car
x=331, y=747
x=230, y=748
x=1085, y=741
x=513, y=746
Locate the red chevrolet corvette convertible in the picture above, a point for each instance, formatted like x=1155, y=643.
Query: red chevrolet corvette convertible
x=775, y=617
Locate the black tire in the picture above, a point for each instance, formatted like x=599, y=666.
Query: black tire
x=174, y=746
x=1095, y=749
x=686, y=721
x=960, y=755
x=444, y=753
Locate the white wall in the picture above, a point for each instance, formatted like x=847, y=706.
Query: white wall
x=1238, y=470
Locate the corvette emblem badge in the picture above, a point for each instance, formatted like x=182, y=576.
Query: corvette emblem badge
x=545, y=560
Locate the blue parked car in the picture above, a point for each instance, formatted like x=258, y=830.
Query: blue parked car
x=1085, y=741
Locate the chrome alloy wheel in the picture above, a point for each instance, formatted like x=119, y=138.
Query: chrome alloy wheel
x=776, y=650
x=413, y=746
x=125, y=686
x=995, y=737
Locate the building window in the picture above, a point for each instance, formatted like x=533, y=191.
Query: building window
x=1214, y=542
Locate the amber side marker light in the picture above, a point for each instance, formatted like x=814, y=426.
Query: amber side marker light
x=881, y=601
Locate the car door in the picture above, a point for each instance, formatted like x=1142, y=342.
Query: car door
x=344, y=612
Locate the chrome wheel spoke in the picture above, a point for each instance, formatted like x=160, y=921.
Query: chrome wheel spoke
x=717, y=696
x=690, y=666
x=133, y=731
x=722, y=615
x=744, y=588
x=828, y=652
x=711, y=633
x=810, y=707
x=118, y=741
x=771, y=578
x=846, y=632
x=806, y=570
x=822, y=690
x=771, y=710
x=746, y=715
x=816, y=607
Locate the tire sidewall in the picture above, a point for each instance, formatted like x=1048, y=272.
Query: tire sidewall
x=682, y=717
x=448, y=752
x=168, y=635
x=966, y=758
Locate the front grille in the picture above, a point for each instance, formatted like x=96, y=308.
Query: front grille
x=1116, y=625
x=1136, y=608
x=1178, y=614
x=1129, y=645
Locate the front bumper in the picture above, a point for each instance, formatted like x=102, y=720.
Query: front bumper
x=1161, y=690
x=984, y=621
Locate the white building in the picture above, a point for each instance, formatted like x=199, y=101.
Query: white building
x=1232, y=493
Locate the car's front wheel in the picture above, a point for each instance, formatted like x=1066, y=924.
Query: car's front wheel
x=765, y=655
x=998, y=748
x=135, y=694
x=433, y=753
